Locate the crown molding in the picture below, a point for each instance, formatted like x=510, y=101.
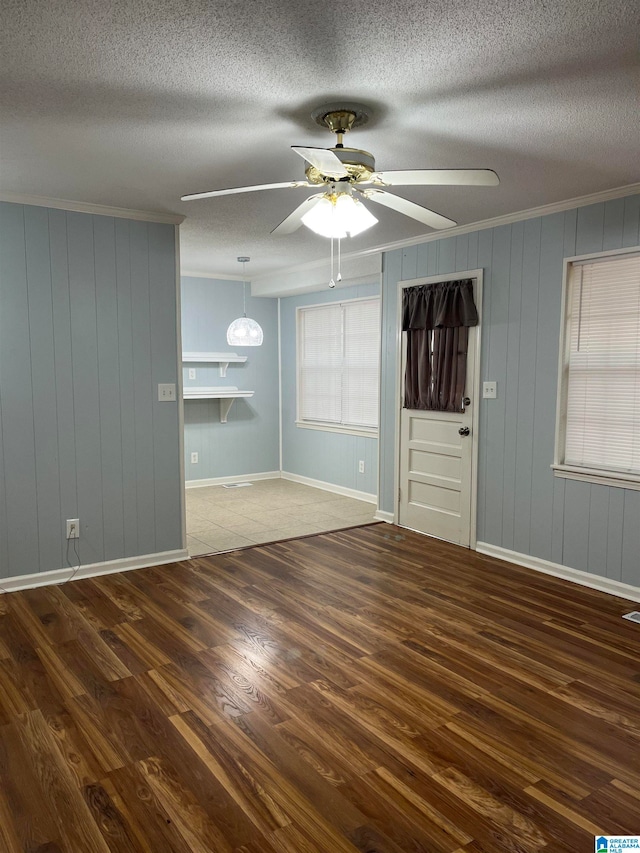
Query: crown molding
x=98, y=209
x=216, y=276
x=509, y=218
x=506, y=219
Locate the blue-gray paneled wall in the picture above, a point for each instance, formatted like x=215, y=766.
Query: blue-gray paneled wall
x=249, y=442
x=328, y=456
x=87, y=330
x=521, y=505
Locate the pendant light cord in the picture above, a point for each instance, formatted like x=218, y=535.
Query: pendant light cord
x=244, y=289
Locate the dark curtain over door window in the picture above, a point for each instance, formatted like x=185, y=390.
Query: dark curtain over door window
x=436, y=318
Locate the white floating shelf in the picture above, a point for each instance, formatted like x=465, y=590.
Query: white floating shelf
x=225, y=393
x=224, y=359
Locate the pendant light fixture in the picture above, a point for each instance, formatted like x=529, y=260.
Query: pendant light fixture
x=244, y=332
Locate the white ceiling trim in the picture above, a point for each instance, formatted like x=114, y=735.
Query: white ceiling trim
x=313, y=276
x=216, y=276
x=506, y=219
x=98, y=209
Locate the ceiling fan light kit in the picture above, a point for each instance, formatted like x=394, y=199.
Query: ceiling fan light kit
x=244, y=332
x=338, y=214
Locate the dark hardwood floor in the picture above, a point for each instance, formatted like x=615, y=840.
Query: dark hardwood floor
x=367, y=690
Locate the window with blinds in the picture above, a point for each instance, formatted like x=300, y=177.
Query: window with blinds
x=338, y=358
x=600, y=418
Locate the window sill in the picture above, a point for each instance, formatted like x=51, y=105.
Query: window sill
x=593, y=475
x=345, y=430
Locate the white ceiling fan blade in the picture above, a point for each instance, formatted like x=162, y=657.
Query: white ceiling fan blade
x=294, y=219
x=409, y=208
x=235, y=190
x=436, y=177
x=323, y=159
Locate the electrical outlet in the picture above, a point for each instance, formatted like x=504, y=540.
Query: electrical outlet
x=194, y=457
x=73, y=528
x=192, y=373
x=489, y=390
x=361, y=466
x=166, y=392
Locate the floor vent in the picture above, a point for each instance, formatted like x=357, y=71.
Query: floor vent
x=236, y=485
x=634, y=616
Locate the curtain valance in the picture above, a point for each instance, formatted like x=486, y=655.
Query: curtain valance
x=436, y=318
x=441, y=305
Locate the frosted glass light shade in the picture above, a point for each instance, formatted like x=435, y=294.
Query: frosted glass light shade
x=337, y=218
x=322, y=220
x=353, y=216
x=244, y=332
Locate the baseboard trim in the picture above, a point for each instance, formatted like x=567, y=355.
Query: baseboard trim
x=381, y=515
x=237, y=478
x=331, y=487
x=57, y=576
x=622, y=590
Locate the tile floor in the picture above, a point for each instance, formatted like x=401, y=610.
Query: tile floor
x=220, y=519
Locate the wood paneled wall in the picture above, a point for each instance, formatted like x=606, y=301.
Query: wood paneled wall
x=521, y=506
x=87, y=331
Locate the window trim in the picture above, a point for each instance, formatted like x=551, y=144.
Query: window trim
x=604, y=476
x=329, y=426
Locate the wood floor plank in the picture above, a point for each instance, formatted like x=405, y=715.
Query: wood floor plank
x=363, y=691
x=116, y=830
x=34, y=828
x=59, y=787
x=255, y=802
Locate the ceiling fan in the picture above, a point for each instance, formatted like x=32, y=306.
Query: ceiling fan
x=348, y=175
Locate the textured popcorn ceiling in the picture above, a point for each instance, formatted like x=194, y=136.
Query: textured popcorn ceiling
x=133, y=103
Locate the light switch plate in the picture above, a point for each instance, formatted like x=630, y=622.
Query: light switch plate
x=489, y=390
x=166, y=392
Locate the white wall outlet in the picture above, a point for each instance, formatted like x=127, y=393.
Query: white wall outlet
x=361, y=466
x=489, y=390
x=166, y=392
x=192, y=373
x=73, y=528
x=194, y=457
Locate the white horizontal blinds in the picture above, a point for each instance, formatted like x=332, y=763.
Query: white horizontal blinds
x=361, y=357
x=339, y=348
x=321, y=363
x=603, y=369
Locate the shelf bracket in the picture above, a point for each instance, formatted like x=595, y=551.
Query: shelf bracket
x=225, y=406
x=223, y=368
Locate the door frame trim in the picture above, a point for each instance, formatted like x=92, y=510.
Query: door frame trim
x=477, y=275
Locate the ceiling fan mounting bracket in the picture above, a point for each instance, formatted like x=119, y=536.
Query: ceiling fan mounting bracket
x=341, y=117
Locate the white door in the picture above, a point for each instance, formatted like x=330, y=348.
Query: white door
x=436, y=463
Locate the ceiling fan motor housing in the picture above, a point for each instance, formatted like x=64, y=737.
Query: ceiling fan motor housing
x=360, y=165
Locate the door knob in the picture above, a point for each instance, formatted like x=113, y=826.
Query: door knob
x=466, y=401
x=463, y=431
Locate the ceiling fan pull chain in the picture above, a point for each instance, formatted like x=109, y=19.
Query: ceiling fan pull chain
x=339, y=276
x=331, y=280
